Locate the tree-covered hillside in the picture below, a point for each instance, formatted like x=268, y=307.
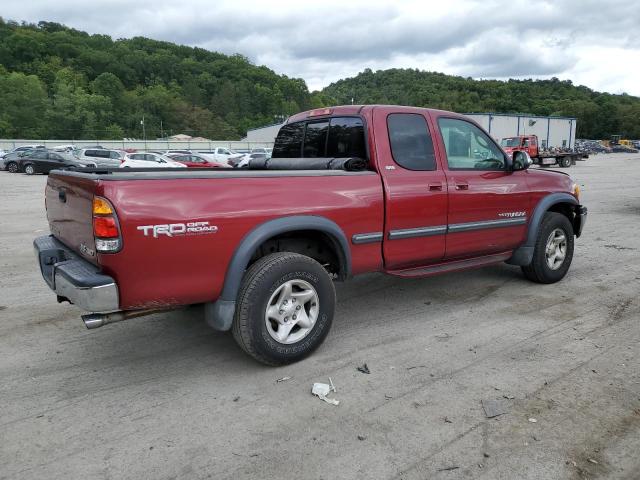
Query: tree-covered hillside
x=57, y=82
x=599, y=114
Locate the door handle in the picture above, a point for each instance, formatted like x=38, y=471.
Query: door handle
x=462, y=186
x=435, y=187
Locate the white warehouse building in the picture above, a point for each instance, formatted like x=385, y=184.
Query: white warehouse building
x=551, y=131
x=265, y=134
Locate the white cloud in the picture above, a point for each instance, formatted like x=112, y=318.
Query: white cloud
x=586, y=41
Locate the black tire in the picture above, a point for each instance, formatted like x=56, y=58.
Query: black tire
x=12, y=167
x=565, y=162
x=539, y=270
x=260, y=282
x=29, y=169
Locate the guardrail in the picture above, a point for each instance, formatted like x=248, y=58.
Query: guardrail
x=8, y=144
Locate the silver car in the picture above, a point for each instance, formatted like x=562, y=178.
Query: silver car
x=103, y=158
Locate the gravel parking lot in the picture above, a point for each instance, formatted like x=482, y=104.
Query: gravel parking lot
x=166, y=397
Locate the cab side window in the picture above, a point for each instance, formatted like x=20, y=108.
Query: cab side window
x=315, y=139
x=468, y=147
x=289, y=141
x=411, y=144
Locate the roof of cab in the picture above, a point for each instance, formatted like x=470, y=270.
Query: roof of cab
x=358, y=109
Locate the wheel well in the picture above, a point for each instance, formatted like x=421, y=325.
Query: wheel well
x=566, y=209
x=316, y=244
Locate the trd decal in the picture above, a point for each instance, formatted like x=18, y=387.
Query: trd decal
x=177, y=229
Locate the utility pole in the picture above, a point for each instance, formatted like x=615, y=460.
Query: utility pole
x=144, y=132
x=161, y=133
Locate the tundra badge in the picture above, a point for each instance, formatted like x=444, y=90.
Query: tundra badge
x=512, y=214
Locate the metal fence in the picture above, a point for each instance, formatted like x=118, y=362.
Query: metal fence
x=8, y=144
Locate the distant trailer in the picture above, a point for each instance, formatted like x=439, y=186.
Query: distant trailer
x=553, y=132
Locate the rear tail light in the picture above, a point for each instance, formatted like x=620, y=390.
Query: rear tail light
x=105, y=226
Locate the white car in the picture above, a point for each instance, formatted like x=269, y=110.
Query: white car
x=264, y=150
x=64, y=148
x=149, y=160
x=243, y=161
x=219, y=154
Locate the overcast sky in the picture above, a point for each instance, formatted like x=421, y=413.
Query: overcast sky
x=593, y=43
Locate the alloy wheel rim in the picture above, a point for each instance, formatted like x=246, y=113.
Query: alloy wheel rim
x=292, y=311
x=556, y=249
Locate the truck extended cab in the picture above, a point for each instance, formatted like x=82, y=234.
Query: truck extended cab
x=349, y=190
x=530, y=144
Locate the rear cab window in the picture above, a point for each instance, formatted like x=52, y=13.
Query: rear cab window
x=410, y=140
x=336, y=137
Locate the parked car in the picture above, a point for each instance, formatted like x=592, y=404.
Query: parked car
x=169, y=152
x=43, y=161
x=149, y=160
x=24, y=148
x=10, y=161
x=219, y=154
x=64, y=148
x=243, y=160
x=102, y=157
x=193, y=160
x=265, y=151
x=349, y=190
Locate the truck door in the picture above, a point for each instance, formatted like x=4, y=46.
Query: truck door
x=415, y=190
x=488, y=205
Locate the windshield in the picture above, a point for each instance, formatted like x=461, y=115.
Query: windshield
x=510, y=142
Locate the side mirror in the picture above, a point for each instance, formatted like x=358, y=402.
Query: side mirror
x=521, y=160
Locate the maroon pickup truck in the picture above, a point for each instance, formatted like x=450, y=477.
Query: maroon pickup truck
x=407, y=191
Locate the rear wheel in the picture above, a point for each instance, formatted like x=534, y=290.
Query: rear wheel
x=29, y=169
x=553, y=250
x=565, y=162
x=285, y=308
x=12, y=167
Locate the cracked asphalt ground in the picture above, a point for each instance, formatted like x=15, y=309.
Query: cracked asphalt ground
x=165, y=397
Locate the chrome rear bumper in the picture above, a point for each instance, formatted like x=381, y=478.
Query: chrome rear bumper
x=74, y=279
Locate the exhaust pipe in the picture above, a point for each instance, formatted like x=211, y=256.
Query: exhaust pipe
x=96, y=320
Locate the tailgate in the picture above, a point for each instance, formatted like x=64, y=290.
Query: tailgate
x=69, y=206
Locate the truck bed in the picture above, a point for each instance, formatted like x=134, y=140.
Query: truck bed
x=183, y=269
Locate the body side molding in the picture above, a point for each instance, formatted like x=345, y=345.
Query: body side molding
x=506, y=222
x=361, y=238
x=417, y=232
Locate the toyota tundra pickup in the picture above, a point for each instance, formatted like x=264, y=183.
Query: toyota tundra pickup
x=411, y=192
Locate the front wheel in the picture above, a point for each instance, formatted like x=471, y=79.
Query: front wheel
x=553, y=250
x=285, y=308
x=12, y=167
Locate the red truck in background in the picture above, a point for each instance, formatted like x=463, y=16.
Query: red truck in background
x=544, y=158
x=411, y=192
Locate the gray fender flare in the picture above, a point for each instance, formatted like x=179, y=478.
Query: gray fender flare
x=219, y=314
x=524, y=254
